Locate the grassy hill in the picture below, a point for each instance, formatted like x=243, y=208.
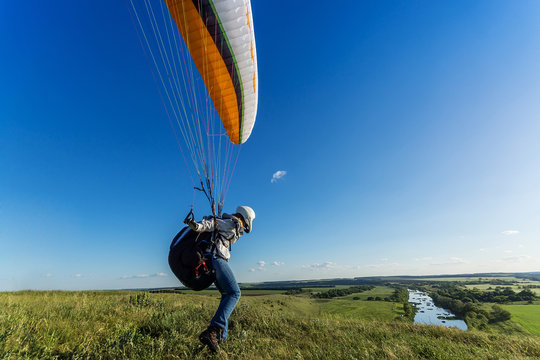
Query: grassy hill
x=527, y=316
x=138, y=325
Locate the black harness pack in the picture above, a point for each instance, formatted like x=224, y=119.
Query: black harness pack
x=188, y=261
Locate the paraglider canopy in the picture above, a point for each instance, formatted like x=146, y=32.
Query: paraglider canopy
x=221, y=41
x=205, y=65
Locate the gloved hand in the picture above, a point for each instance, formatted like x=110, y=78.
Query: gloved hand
x=191, y=223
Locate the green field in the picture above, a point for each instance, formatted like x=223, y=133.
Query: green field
x=528, y=316
x=381, y=291
x=138, y=325
x=471, y=278
x=348, y=307
x=516, y=288
x=356, y=309
x=356, y=305
x=245, y=292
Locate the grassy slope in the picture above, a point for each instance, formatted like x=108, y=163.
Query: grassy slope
x=527, y=316
x=107, y=325
x=354, y=309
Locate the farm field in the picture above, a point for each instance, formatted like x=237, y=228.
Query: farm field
x=380, y=291
x=357, y=309
x=140, y=325
x=470, y=278
x=516, y=288
x=527, y=316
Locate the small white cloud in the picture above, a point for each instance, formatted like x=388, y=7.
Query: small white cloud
x=278, y=263
x=384, y=259
x=323, y=266
x=278, y=175
x=144, y=276
x=374, y=266
x=260, y=266
x=518, y=258
x=508, y=251
x=453, y=261
x=510, y=232
x=48, y=275
x=383, y=264
x=77, y=275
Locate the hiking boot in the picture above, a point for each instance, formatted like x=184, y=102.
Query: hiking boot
x=211, y=337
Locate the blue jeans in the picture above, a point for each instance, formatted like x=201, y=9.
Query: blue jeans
x=230, y=294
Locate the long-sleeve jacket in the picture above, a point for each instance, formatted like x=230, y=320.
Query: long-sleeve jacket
x=228, y=231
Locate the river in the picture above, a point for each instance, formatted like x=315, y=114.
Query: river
x=430, y=314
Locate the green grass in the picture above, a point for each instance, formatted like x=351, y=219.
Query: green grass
x=246, y=292
x=132, y=325
x=357, y=309
x=528, y=316
x=381, y=291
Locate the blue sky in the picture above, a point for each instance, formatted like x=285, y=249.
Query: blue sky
x=408, y=130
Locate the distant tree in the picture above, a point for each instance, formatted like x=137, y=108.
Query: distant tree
x=476, y=320
x=526, y=295
x=508, y=291
x=499, y=314
x=342, y=292
x=406, y=308
x=294, y=291
x=400, y=295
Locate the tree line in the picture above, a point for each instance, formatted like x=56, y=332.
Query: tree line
x=499, y=295
x=332, y=293
x=467, y=303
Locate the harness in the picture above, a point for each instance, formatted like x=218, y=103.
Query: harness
x=203, y=264
x=216, y=236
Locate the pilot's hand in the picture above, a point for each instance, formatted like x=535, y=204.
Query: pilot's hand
x=191, y=223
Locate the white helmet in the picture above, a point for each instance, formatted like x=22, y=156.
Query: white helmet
x=248, y=214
